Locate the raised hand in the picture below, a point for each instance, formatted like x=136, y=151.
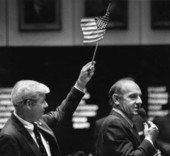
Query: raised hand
x=86, y=74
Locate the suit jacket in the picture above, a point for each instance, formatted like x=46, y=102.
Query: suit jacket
x=116, y=137
x=15, y=140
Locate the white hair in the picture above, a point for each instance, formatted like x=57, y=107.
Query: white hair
x=27, y=89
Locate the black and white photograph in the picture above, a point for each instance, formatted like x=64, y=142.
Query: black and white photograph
x=84, y=78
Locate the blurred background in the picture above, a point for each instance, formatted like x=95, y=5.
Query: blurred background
x=49, y=48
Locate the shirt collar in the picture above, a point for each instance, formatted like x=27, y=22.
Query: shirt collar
x=29, y=126
x=124, y=116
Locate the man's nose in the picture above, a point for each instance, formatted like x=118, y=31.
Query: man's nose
x=139, y=100
x=45, y=104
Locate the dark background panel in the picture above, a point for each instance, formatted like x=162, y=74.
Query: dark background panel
x=59, y=67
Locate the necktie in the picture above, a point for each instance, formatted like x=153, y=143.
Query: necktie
x=135, y=128
x=39, y=141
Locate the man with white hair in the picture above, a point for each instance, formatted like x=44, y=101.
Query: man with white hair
x=28, y=132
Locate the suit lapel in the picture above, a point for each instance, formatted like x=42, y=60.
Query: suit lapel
x=44, y=127
x=50, y=136
x=27, y=141
x=127, y=124
x=24, y=136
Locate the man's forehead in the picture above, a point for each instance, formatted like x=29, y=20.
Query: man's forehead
x=130, y=86
x=42, y=95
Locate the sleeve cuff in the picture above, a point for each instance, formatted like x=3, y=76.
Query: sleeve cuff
x=79, y=88
x=149, y=140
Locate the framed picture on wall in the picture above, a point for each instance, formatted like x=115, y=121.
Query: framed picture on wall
x=160, y=14
x=39, y=15
x=118, y=15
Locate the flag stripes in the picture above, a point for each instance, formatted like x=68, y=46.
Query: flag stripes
x=94, y=28
x=90, y=30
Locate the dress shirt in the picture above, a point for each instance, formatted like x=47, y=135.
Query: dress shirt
x=79, y=88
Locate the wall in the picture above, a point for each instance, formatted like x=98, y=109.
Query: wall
x=149, y=36
x=3, y=35
x=139, y=31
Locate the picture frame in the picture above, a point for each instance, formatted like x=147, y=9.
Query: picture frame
x=160, y=14
x=39, y=15
x=118, y=17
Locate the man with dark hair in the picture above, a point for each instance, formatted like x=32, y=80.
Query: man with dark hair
x=117, y=134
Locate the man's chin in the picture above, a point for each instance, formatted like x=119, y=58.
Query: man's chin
x=136, y=113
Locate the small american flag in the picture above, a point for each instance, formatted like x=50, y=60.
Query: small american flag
x=94, y=28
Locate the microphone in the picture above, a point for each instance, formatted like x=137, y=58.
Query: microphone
x=143, y=115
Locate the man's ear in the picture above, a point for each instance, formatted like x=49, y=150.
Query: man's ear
x=115, y=98
x=28, y=104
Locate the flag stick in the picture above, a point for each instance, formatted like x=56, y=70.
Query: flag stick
x=94, y=54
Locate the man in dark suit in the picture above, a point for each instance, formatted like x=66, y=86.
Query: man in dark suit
x=28, y=132
x=116, y=134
